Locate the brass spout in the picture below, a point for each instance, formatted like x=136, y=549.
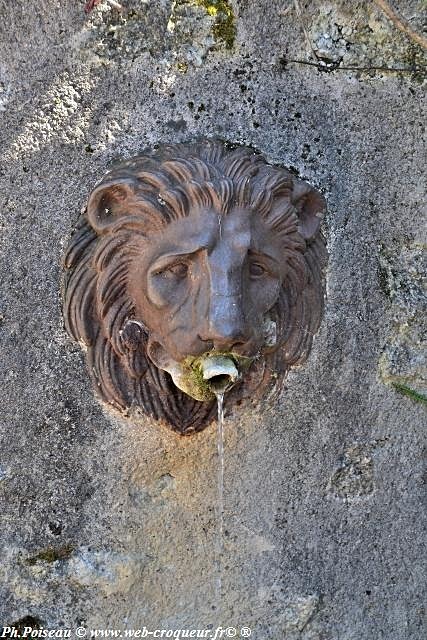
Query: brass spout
x=219, y=372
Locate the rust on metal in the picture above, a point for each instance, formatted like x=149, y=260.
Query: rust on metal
x=187, y=258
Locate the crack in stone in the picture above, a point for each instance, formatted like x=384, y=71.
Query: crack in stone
x=336, y=66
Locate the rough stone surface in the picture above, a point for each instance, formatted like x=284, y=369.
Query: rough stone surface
x=404, y=360
x=112, y=525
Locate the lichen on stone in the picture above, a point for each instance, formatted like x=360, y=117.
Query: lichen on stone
x=224, y=28
x=196, y=27
x=125, y=35
x=402, y=277
x=364, y=39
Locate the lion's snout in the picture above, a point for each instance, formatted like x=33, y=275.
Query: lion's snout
x=226, y=327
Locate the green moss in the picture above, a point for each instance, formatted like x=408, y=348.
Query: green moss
x=411, y=393
x=192, y=381
x=224, y=28
x=196, y=386
x=51, y=555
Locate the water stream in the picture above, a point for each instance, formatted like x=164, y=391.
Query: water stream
x=220, y=541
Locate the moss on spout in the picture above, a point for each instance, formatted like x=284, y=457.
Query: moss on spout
x=192, y=379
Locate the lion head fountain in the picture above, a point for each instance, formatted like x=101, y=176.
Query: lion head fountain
x=195, y=269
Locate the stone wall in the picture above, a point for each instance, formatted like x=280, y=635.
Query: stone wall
x=107, y=524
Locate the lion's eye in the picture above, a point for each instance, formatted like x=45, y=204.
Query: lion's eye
x=178, y=270
x=256, y=269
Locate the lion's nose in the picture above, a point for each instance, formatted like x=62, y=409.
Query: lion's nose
x=227, y=328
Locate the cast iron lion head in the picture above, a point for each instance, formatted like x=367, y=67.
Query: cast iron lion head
x=186, y=252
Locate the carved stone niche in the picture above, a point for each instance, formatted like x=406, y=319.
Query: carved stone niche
x=196, y=269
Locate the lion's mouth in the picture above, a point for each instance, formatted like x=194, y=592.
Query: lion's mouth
x=202, y=377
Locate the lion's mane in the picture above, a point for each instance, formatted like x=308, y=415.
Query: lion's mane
x=141, y=196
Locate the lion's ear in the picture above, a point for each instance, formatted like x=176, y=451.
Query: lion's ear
x=310, y=206
x=110, y=201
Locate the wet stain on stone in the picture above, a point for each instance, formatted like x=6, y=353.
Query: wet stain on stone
x=51, y=555
x=177, y=125
x=28, y=621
